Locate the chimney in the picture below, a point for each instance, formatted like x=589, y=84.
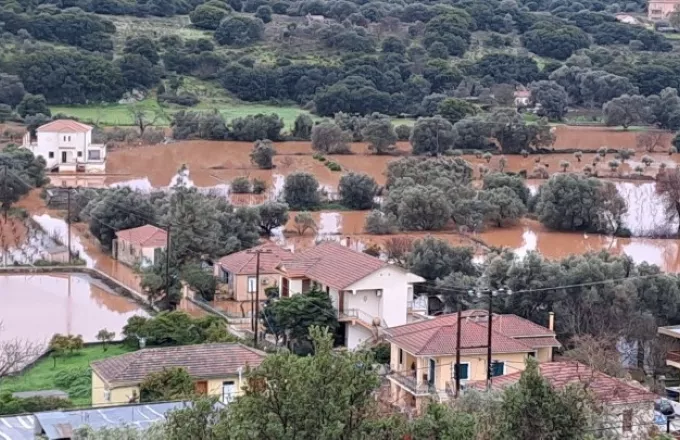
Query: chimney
x=551, y=321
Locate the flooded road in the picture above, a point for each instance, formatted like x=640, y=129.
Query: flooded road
x=35, y=307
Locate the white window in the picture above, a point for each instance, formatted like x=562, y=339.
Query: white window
x=80, y=154
x=252, y=284
x=464, y=368
x=228, y=391
x=50, y=155
x=94, y=155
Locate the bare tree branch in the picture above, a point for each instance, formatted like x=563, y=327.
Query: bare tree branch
x=16, y=353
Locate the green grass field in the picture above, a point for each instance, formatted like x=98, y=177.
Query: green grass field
x=43, y=374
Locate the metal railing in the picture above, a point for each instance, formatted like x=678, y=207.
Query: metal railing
x=359, y=315
x=409, y=381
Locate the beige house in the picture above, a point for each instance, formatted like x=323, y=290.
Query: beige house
x=661, y=9
x=423, y=354
x=628, y=408
x=217, y=370
x=238, y=271
x=368, y=293
x=141, y=245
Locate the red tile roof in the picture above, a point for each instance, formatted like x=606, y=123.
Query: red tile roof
x=245, y=262
x=201, y=361
x=145, y=236
x=605, y=389
x=438, y=336
x=67, y=125
x=332, y=264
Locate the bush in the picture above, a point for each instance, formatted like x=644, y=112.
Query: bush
x=379, y=223
x=329, y=138
x=241, y=185
x=257, y=127
x=403, y=132
x=333, y=166
x=301, y=191
x=239, y=31
x=77, y=382
x=263, y=154
x=10, y=405
x=185, y=99
x=357, y=191
x=259, y=186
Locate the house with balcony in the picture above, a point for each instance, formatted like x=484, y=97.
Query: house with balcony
x=423, y=354
x=670, y=338
x=216, y=369
x=628, y=407
x=66, y=146
x=368, y=293
x=237, y=272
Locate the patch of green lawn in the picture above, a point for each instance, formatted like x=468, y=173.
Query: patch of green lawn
x=42, y=375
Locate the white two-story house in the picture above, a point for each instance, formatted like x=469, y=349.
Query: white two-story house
x=66, y=146
x=369, y=294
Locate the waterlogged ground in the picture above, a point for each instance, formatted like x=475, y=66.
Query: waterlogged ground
x=213, y=165
x=35, y=307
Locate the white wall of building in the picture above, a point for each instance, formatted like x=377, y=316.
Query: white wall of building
x=68, y=148
x=392, y=305
x=355, y=335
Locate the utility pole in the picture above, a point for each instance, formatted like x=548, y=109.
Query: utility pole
x=68, y=222
x=255, y=308
x=167, y=261
x=488, y=342
x=457, y=366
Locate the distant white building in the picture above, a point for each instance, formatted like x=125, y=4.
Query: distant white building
x=66, y=146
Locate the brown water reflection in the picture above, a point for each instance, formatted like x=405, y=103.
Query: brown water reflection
x=38, y=306
x=527, y=236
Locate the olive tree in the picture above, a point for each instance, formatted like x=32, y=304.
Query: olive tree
x=505, y=206
x=263, y=154
x=301, y=191
x=329, y=138
x=380, y=135
x=432, y=136
x=357, y=191
x=423, y=208
x=272, y=215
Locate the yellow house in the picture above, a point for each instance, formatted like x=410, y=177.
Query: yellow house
x=423, y=354
x=217, y=370
x=238, y=271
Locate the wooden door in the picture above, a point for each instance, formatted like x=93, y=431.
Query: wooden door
x=285, y=286
x=63, y=157
x=201, y=387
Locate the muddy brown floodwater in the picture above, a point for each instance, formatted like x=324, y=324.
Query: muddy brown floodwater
x=214, y=164
x=36, y=307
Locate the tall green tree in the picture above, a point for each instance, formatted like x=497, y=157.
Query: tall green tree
x=533, y=410
x=289, y=397
x=357, y=191
x=168, y=384
x=289, y=319
x=301, y=191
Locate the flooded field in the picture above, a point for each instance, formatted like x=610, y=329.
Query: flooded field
x=36, y=307
x=213, y=165
x=587, y=138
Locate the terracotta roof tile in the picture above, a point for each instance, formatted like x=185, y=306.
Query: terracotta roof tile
x=201, y=361
x=332, y=264
x=438, y=336
x=245, y=262
x=146, y=236
x=68, y=125
x=605, y=388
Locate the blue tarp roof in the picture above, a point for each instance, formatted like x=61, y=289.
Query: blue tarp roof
x=61, y=424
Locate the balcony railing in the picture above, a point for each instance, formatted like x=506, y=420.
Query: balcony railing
x=409, y=381
x=673, y=356
x=366, y=319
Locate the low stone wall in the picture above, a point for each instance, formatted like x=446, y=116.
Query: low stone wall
x=112, y=283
